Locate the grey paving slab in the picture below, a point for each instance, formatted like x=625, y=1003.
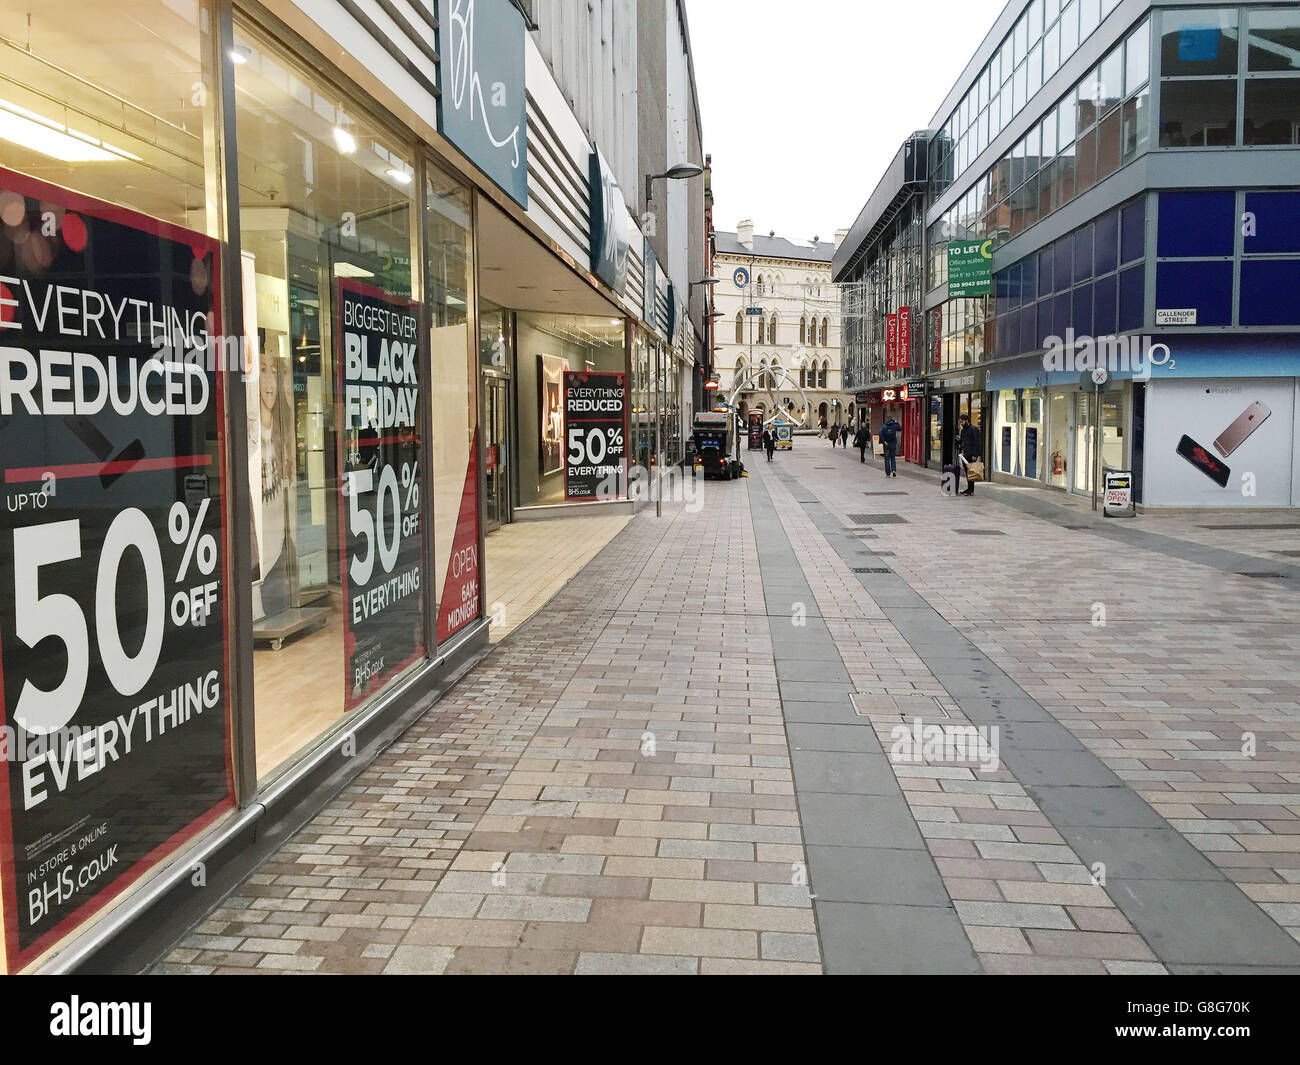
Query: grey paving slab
x=1117, y=807
x=1139, y=854
x=875, y=874
x=841, y=773
x=819, y=713
x=1213, y=924
x=1078, y=766
x=889, y=939
x=813, y=691
x=813, y=669
x=859, y=821
x=1038, y=736
x=846, y=738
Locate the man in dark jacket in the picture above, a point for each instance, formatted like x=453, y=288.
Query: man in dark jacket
x=769, y=443
x=862, y=441
x=889, y=437
x=970, y=444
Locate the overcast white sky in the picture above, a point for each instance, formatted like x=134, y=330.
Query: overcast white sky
x=805, y=102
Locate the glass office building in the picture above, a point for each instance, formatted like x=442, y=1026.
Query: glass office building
x=1133, y=169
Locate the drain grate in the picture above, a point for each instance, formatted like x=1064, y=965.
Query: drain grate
x=1263, y=575
x=871, y=569
x=979, y=532
x=884, y=493
x=877, y=519
x=1288, y=554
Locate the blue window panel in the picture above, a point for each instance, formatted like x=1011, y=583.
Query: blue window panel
x=1132, y=298
x=1045, y=272
x=1014, y=293
x=1042, y=322
x=1268, y=292
x=1083, y=255
x=1010, y=335
x=1060, y=314
x=1028, y=324
x=1104, y=305
x=1133, y=231
x=1081, y=318
x=1106, y=242
x=1277, y=222
x=1205, y=286
x=1196, y=224
x=1029, y=279
x=1062, y=266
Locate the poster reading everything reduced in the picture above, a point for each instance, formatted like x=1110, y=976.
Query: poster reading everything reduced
x=595, y=429
x=381, y=484
x=114, y=743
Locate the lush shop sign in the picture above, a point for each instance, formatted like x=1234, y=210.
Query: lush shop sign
x=383, y=560
x=970, y=268
x=114, y=706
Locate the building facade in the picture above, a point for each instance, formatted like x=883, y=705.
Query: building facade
x=778, y=325
x=299, y=301
x=1110, y=186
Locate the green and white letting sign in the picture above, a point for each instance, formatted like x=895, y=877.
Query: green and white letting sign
x=970, y=268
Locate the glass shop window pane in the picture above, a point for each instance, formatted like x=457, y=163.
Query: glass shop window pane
x=1137, y=58
x=1272, y=111
x=1273, y=39
x=326, y=224
x=1198, y=42
x=1198, y=114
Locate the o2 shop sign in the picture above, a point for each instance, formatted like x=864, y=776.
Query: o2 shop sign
x=114, y=707
x=382, y=549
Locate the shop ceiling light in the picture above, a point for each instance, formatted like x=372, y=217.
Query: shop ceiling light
x=30, y=130
x=237, y=57
x=346, y=142
x=402, y=177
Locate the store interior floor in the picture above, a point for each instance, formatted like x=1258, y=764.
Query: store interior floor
x=529, y=561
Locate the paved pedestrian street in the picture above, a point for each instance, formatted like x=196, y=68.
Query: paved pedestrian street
x=768, y=732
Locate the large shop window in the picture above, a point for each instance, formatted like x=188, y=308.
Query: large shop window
x=571, y=442
x=114, y=590
x=326, y=219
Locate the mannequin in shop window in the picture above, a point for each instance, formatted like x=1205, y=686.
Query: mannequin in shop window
x=273, y=458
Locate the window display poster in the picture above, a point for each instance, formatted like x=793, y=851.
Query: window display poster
x=114, y=705
x=380, y=485
x=550, y=419
x=1221, y=442
x=1031, y=453
x=460, y=589
x=595, y=420
x=1006, y=449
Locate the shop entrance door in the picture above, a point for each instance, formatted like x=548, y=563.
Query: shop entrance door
x=1058, y=425
x=496, y=451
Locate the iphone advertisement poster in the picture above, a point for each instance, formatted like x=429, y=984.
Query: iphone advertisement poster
x=1221, y=443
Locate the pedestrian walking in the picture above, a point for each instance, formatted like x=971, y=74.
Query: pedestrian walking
x=834, y=434
x=889, y=441
x=769, y=444
x=862, y=441
x=844, y=436
x=821, y=429
x=970, y=443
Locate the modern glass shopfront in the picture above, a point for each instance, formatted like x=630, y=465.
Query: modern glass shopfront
x=260, y=405
x=1054, y=435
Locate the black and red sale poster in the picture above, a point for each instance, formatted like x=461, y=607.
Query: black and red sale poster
x=380, y=487
x=114, y=713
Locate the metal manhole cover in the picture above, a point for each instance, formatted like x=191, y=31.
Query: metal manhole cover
x=871, y=569
x=877, y=519
x=1077, y=528
x=979, y=532
x=884, y=493
x=1288, y=554
x=1264, y=576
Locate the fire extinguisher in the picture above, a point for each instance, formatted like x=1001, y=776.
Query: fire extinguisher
x=1058, y=463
